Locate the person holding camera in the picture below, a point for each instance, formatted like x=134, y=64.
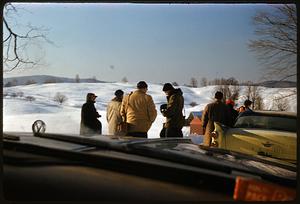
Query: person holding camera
x=173, y=112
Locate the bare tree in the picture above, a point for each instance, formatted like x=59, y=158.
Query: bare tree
x=16, y=44
x=124, y=80
x=30, y=81
x=235, y=92
x=8, y=84
x=253, y=94
x=77, y=79
x=20, y=94
x=175, y=83
x=229, y=87
x=60, y=98
x=194, y=82
x=232, y=81
x=50, y=81
x=229, y=92
x=29, y=98
x=276, y=46
x=203, y=82
x=94, y=79
x=281, y=104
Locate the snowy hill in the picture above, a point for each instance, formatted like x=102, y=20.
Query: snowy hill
x=22, y=105
x=41, y=79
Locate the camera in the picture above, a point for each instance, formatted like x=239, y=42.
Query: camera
x=163, y=108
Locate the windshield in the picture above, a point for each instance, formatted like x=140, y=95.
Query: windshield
x=103, y=47
x=267, y=122
x=81, y=70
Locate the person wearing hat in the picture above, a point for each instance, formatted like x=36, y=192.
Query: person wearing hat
x=232, y=112
x=113, y=115
x=173, y=113
x=216, y=111
x=138, y=111
x=89, y=123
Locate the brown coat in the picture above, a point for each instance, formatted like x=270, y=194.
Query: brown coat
x=214, y=112
x=140, y=112
x=173, y=113
x=113, y=116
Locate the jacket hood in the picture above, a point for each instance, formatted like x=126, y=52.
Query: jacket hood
x=177, y=91
x=90, y=101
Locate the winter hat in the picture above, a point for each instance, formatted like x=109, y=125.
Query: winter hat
x=142, y=85
x=119, y=93
x=168, y=87
x=218, y=95
x=229, y=101
x=247, y=102
x=90, y=96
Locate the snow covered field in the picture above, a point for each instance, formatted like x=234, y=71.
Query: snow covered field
x=19, y=113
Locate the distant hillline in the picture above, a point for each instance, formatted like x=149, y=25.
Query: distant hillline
x=43, y=79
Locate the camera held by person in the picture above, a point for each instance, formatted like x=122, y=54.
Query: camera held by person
x=163, y=108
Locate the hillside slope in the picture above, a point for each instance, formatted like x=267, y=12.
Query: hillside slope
x=19, y=112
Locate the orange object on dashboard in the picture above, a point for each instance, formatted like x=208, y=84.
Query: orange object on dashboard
x=255, y=190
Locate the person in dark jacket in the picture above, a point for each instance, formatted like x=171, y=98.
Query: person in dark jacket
x=173, y=113
x=232, y=112
x=89, y=117
x=214, y=112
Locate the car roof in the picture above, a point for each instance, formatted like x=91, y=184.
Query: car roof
x=273, y=113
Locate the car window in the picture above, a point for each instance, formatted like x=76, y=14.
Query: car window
x=267, y=122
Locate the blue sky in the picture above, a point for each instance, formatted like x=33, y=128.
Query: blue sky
x=156, y=43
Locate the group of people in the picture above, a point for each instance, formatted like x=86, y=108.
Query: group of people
x=224, y=113
x=138, y=111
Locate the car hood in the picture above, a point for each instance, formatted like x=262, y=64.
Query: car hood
x=178, y=150
x=260, y=132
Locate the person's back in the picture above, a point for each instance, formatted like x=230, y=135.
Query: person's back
x=217, y=112
x=214, y=112
x=138, y=109
x=113, y=115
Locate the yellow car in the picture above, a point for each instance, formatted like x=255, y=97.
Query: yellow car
x=260, y=133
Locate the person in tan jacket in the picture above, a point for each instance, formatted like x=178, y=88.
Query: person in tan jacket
x=138, y=110
x=113, y=115
x=214, y=112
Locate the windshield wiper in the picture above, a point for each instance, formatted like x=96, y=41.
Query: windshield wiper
x=11, y=137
